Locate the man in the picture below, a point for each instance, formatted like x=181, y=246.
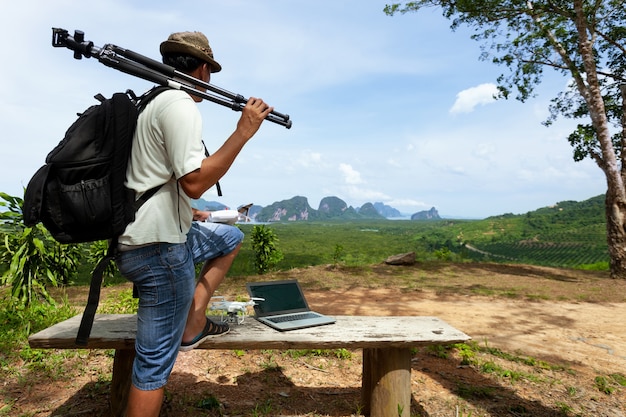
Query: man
x=158, y=250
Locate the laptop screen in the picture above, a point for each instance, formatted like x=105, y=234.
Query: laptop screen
x=280, y=297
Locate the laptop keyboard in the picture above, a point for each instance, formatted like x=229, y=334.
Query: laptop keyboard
x=292, y=317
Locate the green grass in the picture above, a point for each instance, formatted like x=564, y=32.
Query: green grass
x=359, y=244
x=16, y=324
x=513, y=367
x=507, y=239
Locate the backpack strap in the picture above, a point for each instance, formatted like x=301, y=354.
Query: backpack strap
x=217, y=184
x=142, y=101
x=86, y=322
x=146, y=196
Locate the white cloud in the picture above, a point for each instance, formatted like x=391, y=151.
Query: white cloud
x=350, y=175
x=468, y=99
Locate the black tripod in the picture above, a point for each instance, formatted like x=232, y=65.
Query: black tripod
x=143, y=67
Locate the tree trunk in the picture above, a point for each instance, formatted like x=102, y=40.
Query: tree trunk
x=615, y=203
x=616, y=234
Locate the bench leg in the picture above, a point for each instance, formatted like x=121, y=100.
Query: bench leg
x=386, y=385
x=121, y=380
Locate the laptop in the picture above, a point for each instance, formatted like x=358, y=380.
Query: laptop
x=283, y=306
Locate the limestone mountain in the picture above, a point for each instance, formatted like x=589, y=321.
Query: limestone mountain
x=431, y=214
x=336, y=208
x=387, y=211
x=368, y=211
x=330, y=208
x=294, y=209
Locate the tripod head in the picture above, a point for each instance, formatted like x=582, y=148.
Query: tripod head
x=77, y=43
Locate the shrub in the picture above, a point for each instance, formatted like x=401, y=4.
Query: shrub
x=34, y=259
x=265, y=247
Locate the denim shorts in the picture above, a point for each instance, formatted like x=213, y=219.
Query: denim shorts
x=212, y=240
x=164, y=276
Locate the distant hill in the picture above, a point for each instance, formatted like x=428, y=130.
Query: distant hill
x=568, y=233
x=387, y=211
x=330, y=208
x=202, y=204
x=334, y=208
x=589, y=211
x=295, y=209
x=368, y=211
x=431, y=214
x=298, y=209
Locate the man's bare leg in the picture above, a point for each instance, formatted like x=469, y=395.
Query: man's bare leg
x=211, y=276
x=144, y=403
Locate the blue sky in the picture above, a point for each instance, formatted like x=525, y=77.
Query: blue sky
x=385, y=109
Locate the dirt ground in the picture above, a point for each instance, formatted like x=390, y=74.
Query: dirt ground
x=559, y=336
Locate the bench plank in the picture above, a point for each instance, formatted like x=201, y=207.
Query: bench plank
x=117, y=331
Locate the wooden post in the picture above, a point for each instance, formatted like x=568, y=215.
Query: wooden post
x=386, y=382
x=121, y=380
x=366, y=382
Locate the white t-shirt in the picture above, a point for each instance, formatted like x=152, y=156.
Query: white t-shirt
x=167, y=145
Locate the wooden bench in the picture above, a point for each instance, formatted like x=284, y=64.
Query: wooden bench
x=386, y=344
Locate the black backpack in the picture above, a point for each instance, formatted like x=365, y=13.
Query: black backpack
x=79, y=194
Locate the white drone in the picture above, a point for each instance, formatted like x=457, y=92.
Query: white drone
x=230, y=216
x=233, y=311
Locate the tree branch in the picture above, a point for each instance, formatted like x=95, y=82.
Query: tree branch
x=546, y=63
x=611, y=41
x=578, y=79
x=565, y=68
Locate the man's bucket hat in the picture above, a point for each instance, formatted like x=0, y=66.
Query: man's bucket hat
x=190, y=43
